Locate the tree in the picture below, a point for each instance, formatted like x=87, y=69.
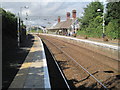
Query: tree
x=112, y=30
x=113, y=10
x=91, y=22
x=113, y=20
x=90, y=12
x=9, y=24
x=9, y=30
x=95, y=27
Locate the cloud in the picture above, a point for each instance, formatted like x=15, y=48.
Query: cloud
x=53, y=0
x=10, y=9
x=42, y=9
x=39, y=11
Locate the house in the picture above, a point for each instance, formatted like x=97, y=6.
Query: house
x=68, y=27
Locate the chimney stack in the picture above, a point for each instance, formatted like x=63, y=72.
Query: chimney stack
x=73, y=13
x=58, y=19
x=68, y=15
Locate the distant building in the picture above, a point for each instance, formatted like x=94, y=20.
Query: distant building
x=44, y=30
x=68, y=27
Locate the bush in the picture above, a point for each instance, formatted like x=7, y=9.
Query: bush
x=9, y=24
x=9, y=30
x=94, y=29
x=112, y=30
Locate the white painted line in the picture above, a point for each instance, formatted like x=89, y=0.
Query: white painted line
x=60, y=70
x=46, y=75
x=87, y=41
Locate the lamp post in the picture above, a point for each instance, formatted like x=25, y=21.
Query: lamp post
x=26, y=7
x=103, y=24
x=37, y=28
x=20, y=24
x=18, y=29
x=26, y=20
x=30, y=26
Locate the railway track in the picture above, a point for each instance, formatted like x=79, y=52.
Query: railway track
x=87, y=72
x=61, y=77
x=61, y=72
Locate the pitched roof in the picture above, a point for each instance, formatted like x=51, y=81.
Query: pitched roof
x=64, y=24
x=58, y=25
x=67, y=23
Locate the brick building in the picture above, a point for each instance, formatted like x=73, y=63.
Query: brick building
x=68, y=27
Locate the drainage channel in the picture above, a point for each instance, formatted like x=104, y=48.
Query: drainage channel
x=57, y=79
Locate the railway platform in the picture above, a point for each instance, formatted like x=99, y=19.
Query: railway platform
x=34, y=71
x=113, y=46
x=109, y=49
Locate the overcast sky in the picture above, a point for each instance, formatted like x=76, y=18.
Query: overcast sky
x=45, y=12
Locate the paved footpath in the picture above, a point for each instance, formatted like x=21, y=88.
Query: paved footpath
x=33, y=72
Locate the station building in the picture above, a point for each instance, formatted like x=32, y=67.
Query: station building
x=67, y=27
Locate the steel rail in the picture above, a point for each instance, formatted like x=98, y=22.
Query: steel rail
x=112, y=59
x=80, y=65
x=83, y=47
x=60, y=70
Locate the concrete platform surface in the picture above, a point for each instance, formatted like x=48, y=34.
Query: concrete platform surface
x=33, y=72
x=111, y=46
